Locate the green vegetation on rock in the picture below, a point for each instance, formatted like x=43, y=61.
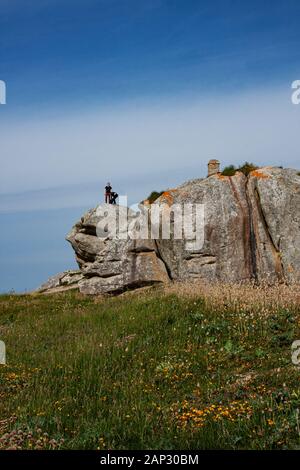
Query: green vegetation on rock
x=246, y=168
x=154, y=195
x=229, y=170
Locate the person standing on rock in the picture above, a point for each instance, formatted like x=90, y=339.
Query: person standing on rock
x=107, y=193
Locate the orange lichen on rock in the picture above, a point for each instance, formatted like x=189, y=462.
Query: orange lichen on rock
x=221, y=177
x=259, y=174
x=168, y=196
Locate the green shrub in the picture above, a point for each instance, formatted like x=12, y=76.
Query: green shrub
x=229, y=170
x=247, y=167
x=154, y=195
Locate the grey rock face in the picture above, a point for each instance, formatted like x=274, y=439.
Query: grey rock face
x=275, y=205
x=252, y=228
x=111, y=264
x=251, y=232
x=62, y=281
x=225, y=254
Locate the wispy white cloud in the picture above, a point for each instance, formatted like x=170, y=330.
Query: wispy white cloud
x=137, y=141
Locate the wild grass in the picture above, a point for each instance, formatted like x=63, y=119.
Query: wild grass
x=190, y=366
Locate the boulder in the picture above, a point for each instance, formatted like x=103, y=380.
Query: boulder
x=252, y=228
x=225, y=254
x=274, y=196
x=251, y=232
x=62, y=281
x=120, y=262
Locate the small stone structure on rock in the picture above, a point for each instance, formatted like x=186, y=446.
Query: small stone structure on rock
x=213, y=167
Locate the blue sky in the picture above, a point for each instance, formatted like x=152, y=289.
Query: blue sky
x=139, y=92
x=98, y=51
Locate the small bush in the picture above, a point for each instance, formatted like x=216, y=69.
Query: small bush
x=229, y=170
x=247, y=167
x=154, y=195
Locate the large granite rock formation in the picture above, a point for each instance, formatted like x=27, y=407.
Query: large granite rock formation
x=252, y=228
x=251, y=232
x=112, y=264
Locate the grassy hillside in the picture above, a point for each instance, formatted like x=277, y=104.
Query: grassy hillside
x=188, y=367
